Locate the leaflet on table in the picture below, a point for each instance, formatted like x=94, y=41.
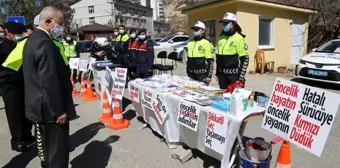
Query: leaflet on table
x=83, y=65
x=74, y=63
x=188, y=115
x=301, y=114
x=159, y=107
x=134, y=92
x=119, y=83
x=217, y=127
x=108, y=80
x=147, y=98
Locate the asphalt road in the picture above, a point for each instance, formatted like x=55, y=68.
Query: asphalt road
x=99, y=147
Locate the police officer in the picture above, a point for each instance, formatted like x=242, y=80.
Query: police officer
x=200, y=58
x=143, y=51
x=121, y=46
x=232, y=53
x=132, y=59
x=12, y=88
x=71, y=51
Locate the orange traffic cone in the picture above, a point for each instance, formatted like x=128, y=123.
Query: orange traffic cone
x=89, y=92
x=74, y=91
x=283, y=160
x=118, y=122
x=83, y=88
x=107, y=114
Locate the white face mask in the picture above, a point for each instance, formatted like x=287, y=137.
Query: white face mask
x=2, y=35
x=133, y=35
x=115, y=33
x=17, y=37
x=142, y=37
x=68, y=38
x=121, y=31
x=57, y=31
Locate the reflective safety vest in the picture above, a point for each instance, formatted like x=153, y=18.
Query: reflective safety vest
x=123, y=38
x=198, y=52
x=62, y=50
x=14, y=59
x=70, y=49
x=229, y=49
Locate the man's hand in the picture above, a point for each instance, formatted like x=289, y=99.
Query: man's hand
x=150, y=70
x=208, y=80
x=62, y=119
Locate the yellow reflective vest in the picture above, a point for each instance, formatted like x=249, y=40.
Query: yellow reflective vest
x=198, y=53
x=229, y=49
x=14, y=59
x=70, y=49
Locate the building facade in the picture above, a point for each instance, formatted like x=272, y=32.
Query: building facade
x=157, y=6
x=112, y=13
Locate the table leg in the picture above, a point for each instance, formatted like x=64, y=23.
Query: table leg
x=238, y=144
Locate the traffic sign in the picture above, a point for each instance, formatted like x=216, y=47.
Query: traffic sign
x=18, y=19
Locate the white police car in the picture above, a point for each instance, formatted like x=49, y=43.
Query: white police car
x=323, y=64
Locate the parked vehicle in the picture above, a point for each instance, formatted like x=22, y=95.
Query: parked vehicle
x=180, y=49
x=157, y=39
x=322, y=64
x=173, y=40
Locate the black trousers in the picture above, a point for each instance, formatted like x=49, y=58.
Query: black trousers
x=53, y=144
x=144, y=75
x=20, y=127
x=197, y=77
x=224, y=80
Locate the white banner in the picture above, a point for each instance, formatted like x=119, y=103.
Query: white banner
x=188, y=115
x=92, y=61
x=217, y=127
x=83, y=65
x=301, y=114
x=74, y=63
x=159, y=107
x=119, y=83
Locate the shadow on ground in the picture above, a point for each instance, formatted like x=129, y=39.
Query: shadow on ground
x=85, y=134
x=23, y=159
x=96, y=154
x=322, y=85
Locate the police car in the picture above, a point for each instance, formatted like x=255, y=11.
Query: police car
x=323, y=64
x=180, y=49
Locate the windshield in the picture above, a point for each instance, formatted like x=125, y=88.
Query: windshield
x=330, y=47
x=166, y=39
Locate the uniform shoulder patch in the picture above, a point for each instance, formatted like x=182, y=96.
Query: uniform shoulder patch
x=245, y=46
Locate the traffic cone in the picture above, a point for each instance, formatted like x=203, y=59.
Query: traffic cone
x=83, y=88
x=74, y=91
x=107, y=114
x=283, y=160
x=89, y=92
x=118, y=122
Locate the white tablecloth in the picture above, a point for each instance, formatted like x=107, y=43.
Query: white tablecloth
x=175, y=132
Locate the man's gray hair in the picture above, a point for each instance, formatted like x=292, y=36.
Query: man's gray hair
x=48, y=12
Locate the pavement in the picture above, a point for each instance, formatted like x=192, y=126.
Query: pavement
x=99, y=147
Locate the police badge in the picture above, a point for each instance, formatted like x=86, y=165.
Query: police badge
x=200, y=47
x=231, y=43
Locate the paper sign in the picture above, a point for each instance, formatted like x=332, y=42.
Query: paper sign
x=92, y=61
x=108, y=97
x=74, y=63
x=83, y=65
x=108, y=80
x=158, y=106
x=119, y=83
x=134, y=93
x=188, y=115
x=147, y=98
x=301, y=114
x=217, y=127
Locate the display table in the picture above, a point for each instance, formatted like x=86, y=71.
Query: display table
x=175, y=132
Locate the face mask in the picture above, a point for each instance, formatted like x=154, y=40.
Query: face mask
x=2, y=34
x=115, y=33
x=227, y=28
x=17, y=38
x=68, y=38
x=142, y=37
x=121, y=31
x=57, y=31
x=197, y=33
x=133, y=35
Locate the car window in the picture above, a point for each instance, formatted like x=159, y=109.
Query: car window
x=166, y=39
x=184, y=38
x=177, y=39
x=329, y=47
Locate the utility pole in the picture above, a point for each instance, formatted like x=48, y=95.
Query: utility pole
x=113, y=13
